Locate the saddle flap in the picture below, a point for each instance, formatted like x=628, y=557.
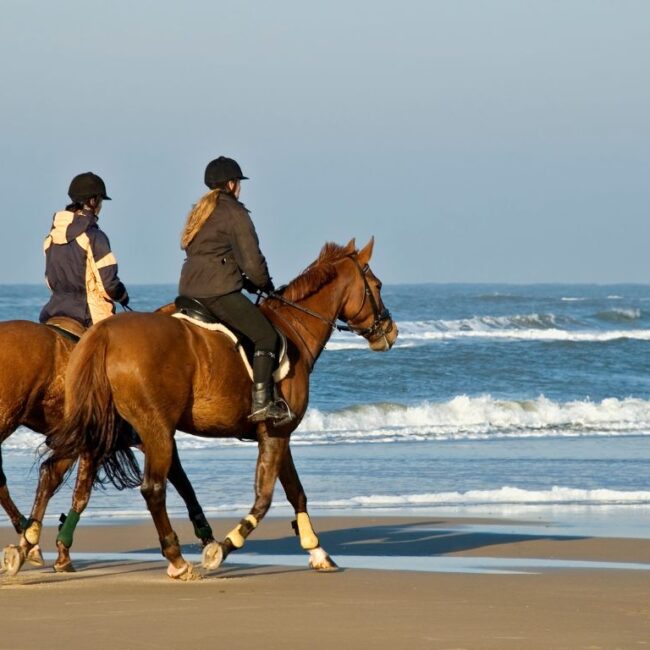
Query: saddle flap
x=69, y=325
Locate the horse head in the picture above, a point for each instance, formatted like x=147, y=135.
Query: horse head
x=363, y=309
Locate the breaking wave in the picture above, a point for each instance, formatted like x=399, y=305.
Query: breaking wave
x=527, y=327
x=462, y=418
x=619, y=315
x=475, y=418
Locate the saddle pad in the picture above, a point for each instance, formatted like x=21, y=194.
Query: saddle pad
x=283, y=366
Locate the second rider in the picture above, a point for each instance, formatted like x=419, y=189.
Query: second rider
x=223, y=256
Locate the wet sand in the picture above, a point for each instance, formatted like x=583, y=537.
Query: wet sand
x=274, y=601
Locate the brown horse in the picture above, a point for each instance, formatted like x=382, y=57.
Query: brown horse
x=33, y=359
x=162, y=374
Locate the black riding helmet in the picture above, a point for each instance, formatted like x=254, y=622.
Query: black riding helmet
x=86, y=186
x=221, y=170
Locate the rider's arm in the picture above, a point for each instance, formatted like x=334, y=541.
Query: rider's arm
x=107, y=266
x=246, y=249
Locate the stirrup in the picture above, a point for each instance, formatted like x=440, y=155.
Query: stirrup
x=277, y=412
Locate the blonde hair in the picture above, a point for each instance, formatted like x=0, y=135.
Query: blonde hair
x=198, y=215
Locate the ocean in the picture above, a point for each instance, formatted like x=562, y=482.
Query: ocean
x=497, y=400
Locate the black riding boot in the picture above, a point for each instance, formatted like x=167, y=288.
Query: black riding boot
x=265, y=406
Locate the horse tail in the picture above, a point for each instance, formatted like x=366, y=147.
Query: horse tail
x=91, y=422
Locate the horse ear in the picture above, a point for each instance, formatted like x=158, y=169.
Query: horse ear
x=366, y=252
x=351, y=246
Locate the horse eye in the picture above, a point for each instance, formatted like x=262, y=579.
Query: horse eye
x=379, y=285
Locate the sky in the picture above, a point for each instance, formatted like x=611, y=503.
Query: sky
x=477, y=141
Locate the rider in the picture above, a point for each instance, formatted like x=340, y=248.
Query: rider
x=223, y=256
x=80, y=269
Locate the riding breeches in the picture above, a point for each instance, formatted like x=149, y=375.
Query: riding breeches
x=236, y=311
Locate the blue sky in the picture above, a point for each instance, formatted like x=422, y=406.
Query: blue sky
x=501, y=141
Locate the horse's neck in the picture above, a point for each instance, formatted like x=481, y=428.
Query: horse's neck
x=312, y=332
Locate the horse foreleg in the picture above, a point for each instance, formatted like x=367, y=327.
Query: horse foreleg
x=269, y=460
x=80, y=497
x=18, y=521
x=50, y=477
x=156, y=469
x=178, y=478
x=319, y=559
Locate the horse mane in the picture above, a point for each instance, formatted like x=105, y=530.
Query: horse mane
x=318, y=273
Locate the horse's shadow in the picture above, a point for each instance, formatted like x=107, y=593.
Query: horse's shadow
x=420, y=539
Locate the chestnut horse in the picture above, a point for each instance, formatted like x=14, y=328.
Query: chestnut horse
x=33, y=359
x=164, y=374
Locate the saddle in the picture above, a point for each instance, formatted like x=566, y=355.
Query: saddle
x=195, y=312
x=68, y=327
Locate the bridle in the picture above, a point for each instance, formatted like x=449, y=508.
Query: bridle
x=370, y=333
x=374, y=331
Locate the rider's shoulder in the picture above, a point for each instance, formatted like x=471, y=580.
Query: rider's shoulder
x=232, y=204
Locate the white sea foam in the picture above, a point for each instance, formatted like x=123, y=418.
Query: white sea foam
x=506, y=495
x=506, y=499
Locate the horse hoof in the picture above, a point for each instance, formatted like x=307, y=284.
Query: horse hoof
x=320, y=561
x=35, y=557
x=64, y=567
x=212, y=556
x=13, y=560
x=186, y=574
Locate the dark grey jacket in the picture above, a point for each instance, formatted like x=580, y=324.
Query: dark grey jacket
x=224, y=248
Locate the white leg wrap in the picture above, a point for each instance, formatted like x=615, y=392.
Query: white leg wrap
x=308, y=538
x=33, y=533
x=235, y=535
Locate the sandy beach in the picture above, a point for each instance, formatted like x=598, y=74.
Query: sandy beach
x=481, y=594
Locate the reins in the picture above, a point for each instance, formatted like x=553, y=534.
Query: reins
x=379, y=315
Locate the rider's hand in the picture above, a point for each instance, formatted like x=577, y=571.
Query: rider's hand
x=122, y=295
x=249, y=285
x=269, y=287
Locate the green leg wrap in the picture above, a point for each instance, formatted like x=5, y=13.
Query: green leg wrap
x=202, y=528
x=24, y=523
x=66, y=532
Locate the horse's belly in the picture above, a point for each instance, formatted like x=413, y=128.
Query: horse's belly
x=213, y=418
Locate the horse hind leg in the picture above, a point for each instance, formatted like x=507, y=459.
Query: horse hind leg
x=319, y=559
x=178, y=478
x=269, y=460
x=50, y=477
x=81, y=496
x=18, y=520
x=158, y=458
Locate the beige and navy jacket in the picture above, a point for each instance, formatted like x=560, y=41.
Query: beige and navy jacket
x=80, y=269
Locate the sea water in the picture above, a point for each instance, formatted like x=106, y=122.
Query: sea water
x=508, y=400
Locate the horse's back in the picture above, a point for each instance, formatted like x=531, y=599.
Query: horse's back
x=174, y=367
x=32, y=362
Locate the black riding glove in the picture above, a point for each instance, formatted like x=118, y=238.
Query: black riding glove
x=249, y=285
x=122, y=295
